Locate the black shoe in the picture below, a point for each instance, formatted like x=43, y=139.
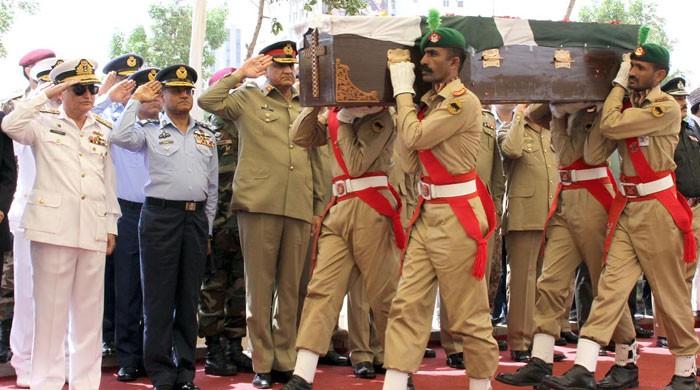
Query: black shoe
x=186, y=386
x=334, y=358
x=429, y=353
x=619, y=377
x=128, y=374
x=662, y=342
x=5, y=351
x=379, y=368
x=560, y=342
x=108, y=349
x=297, y=383
x=577, y=378
x=216, y=363
x=520, y=356
x=683, y=383
x=602, y=352
x=571, y=337
x=456, y=360
x=502, y=345
x=410, y=385
x=558, y=356
x=531, y=374
x=234, y=352
x=643, y=333
x=364, y=370
x=262, y=381
x=281, y=376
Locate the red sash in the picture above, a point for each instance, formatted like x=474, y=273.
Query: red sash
x=596, y=187
x=439, y=175
x=671, y=199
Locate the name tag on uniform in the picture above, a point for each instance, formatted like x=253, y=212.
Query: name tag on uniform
x=643, y=140
x=166, y=142
x=59, y=132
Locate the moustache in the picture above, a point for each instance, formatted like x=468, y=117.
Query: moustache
x=425, y=69
x=632, y=78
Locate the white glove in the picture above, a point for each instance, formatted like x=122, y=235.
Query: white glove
x=349, y=114
x=624, y=73
x=402, y=77
x=559, y=110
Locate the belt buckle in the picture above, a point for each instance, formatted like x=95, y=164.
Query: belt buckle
x=190, y=206
x=340, y=188
x=425, y=190
x=630, y=190
x=565, y=177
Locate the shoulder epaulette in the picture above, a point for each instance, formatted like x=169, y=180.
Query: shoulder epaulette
x=663, y=99
x=49, y=111
x=103, y=121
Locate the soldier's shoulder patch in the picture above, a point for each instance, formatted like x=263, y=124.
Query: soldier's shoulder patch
x=459, y=92
x=454, y=107
x=52, y=111
x=103, y=121
x=657, y=111
x=145, y=122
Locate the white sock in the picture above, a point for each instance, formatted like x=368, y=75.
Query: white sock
x=625, y=353
x=395, y=380
x=685, y=365
x=543, y=347
x=587, y=354
x=479, y=384
x=306, y=364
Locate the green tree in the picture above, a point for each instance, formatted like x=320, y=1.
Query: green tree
x=167, y=39
x=8, y=10
x=629, y=11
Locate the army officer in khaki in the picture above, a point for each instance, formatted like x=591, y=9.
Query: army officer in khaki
x=273, y=201
x=531, y=180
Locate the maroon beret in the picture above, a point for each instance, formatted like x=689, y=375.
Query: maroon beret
x=219, y=74
x=35, y=56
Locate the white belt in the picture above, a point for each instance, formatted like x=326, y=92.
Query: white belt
x=576, y=175
x=434, y=191
x=348, y=186
x=633, y=190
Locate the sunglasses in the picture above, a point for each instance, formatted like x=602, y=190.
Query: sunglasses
x=80, y=89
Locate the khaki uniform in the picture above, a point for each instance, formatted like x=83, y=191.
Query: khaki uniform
x=531, y=181
x=575, y=233
x=273, y=201
x=646, y=239
x=356, y=242
x=489, y=167
x=439, y=252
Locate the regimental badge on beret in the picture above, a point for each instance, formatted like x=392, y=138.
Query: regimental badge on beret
x=152, y=74
x=288, y=49
x=639, y=51
x=84, y=68
x=181, y=73
x=434, y=37
x=131, y=61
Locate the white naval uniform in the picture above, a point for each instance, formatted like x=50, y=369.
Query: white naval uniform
x=70, y=210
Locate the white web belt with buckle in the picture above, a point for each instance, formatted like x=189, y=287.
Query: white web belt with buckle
x=348, y=186
x=435, y=191
x=570, y=176
x=636, y=190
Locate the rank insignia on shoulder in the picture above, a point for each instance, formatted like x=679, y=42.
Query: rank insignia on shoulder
x=657, y=111
x=49, y=111
x=454, y=107
x=459, y=92
x=103, y=121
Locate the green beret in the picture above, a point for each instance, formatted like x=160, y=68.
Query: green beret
x=438, y=36
x=653, y=53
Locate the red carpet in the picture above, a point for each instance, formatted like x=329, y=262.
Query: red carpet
x=656, y=368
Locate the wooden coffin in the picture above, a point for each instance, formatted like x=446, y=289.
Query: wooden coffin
x=351, y=70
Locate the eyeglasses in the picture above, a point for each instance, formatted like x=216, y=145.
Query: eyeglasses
x=80, y=89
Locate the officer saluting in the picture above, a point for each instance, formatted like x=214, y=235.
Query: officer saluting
x=176, y=220
x=71, y=221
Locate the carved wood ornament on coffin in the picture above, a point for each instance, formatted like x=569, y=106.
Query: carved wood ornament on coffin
x=346, y=91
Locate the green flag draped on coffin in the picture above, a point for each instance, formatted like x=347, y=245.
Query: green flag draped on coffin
x=343, y=60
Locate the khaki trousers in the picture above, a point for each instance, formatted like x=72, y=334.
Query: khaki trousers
x=356, y=243
x=274, y=251
x=525, y=265
x=575, y=234
x=363, y=337
x=645, y=240
x=440, y=254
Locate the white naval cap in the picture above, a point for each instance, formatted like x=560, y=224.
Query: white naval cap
x=40, y=71
x=82, y=70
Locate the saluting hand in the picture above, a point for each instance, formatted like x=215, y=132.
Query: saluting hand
x=147, y=92
x=121, y=91
x=255, y=66
x=111, y=243
x=108, y=82
x=56, y=90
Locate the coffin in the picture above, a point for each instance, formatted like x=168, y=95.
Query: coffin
x=343, y=59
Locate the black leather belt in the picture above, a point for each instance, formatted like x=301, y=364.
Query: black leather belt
x=175, y=204
x=127, y=204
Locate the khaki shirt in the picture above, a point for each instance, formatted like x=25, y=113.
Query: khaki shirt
x=273, y=175
x=489, y=164
x=656, y=122
x=531, y=173
x=569, y=134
